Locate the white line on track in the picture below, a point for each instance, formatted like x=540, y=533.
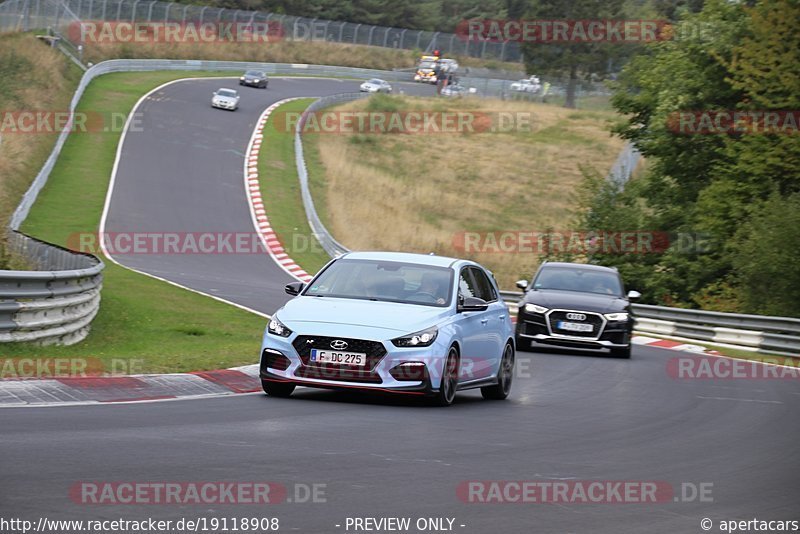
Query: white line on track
x=110, y=192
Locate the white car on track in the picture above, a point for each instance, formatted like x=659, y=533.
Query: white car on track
x=376, y=85
x=528, y=85
x=225, y=99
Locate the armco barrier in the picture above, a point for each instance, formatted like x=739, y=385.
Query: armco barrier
x=775, y=335
x=54, y=304
x=326, y=240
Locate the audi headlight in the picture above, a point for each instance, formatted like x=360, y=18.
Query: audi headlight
x=277, y=328
x=535, y=308
x=423, y=338
x=621, y=316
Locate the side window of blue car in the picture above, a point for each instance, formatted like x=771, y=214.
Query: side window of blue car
x=466, y=285
x=483, y=285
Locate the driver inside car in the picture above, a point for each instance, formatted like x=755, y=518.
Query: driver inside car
x=429, y=289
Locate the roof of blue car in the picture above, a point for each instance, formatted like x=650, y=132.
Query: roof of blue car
x=406, y=257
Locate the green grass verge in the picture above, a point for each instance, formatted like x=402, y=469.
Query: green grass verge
x=152, y=325
x=280, y=189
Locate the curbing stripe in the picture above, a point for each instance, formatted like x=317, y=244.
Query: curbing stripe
x=254, y=197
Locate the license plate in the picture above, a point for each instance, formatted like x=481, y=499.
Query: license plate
x=575, y=327
x=338, y=357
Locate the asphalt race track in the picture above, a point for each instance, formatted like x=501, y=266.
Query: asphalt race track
x=181, y=170
x=569, y=417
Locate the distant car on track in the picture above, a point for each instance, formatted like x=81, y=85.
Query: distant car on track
x=254, y=78
x=376, y=85
x=392, y=322
x=576, y=306
x=225, y=99
x=528, y=85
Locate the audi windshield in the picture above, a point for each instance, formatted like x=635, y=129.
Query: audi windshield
x=583, y=280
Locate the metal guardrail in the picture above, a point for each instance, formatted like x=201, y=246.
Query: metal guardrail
x=326, y=240
x=763, y=333
x=54, y=304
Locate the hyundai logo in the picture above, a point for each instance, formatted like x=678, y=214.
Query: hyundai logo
x=576, y=316
x=339, y=344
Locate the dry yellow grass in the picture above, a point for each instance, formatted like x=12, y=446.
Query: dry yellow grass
x=420, y=193
x=33, y=77
x=279, y=52
x=312, y=52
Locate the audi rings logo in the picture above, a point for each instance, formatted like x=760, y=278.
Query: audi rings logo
x=576, y=316
x=339, y=344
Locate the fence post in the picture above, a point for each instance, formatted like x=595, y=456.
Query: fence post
x=133, y=11
x=167, y=10
x=185, y=9
x=355, y=33
x=150, y=11
x=402, y=37
x=26, y=16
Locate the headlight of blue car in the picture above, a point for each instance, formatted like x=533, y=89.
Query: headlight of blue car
x=423, y=338
x=277, y=328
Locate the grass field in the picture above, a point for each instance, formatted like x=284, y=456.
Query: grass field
x=160, y=327
x=422, y=192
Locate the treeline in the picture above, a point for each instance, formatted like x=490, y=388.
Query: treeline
x=430, y=15
x=725, y=190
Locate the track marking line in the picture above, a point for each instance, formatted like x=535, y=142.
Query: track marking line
x=110, y=192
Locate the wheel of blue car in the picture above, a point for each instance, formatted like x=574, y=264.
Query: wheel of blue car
x=504, y=377
x=449, y=384
x=277, y=389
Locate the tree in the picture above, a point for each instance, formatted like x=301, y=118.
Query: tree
x=767, y=258
x=574, y=60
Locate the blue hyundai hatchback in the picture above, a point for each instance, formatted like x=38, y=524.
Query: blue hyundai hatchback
x=402, y=323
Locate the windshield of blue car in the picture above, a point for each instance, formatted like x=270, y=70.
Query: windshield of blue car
x=582, y=280
x=253, y=74
x=226, y=93
x=388, y=281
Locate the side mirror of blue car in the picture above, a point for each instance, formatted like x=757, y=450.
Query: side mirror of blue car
x=294, y=288
x=472, y=304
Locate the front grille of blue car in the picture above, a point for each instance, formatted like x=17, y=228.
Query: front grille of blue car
x=374, y=350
